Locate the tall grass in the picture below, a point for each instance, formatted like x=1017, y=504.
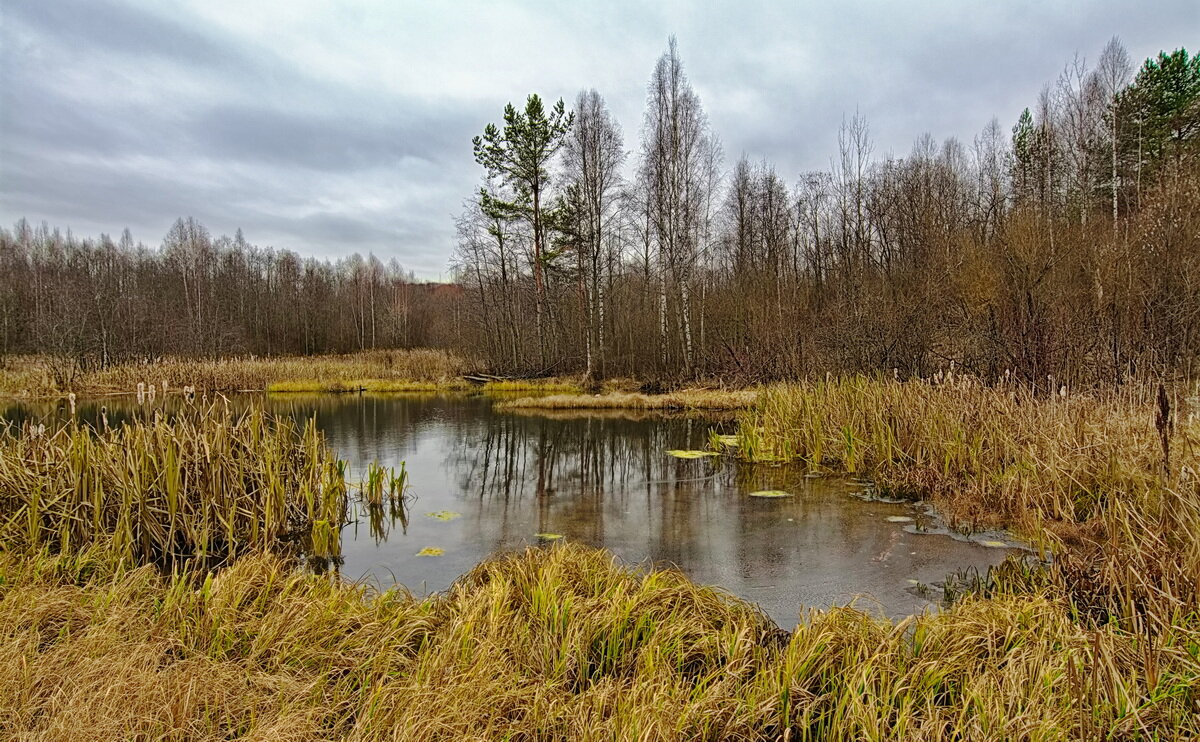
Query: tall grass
x=1085, y=475
x=204, y=483
x=424, y=368
x=553, y=644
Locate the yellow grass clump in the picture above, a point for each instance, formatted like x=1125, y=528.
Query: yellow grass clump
x=685, y=399
x=204, y=483
x=555, y=643
x=1106, y=480
x=418, y=368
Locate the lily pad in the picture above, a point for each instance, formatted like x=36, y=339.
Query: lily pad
x=431, y=551
x=549, y=536
x=770, y=493
x=726, y=440
x=444, y=515
x=898, y=519
x=684, y=454
x=995, y=544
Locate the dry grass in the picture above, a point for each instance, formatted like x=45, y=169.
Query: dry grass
x=556, y=644
x=205, y=483
x=556, y=385
x=424, y=368
x=373, y=386
x=684, y=399
x=561, y=643
x=1082, y=474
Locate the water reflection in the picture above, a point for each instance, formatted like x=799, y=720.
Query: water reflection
x=485, y=481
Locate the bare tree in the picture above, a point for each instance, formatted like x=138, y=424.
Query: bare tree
x=677, y=170
x=1113, y=72
x=593, y=155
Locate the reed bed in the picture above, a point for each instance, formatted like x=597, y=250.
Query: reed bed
x=1107, y=481
x=684, y=399
x=371, y=386
x=204, y=483
x=33, y=376
x=549, y=644
x=555, y=385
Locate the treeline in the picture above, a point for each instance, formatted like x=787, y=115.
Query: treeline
x=1066, y=246
x=99, y=301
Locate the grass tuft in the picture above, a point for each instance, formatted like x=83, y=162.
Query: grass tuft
x=551, y=643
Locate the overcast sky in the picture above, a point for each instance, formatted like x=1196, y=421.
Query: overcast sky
x=338, y=127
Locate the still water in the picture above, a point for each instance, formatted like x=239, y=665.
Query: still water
x=484, y=481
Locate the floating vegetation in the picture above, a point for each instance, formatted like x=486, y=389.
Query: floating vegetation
x=549, y=536
x=684, y=454
x=431, y=551
x=726, y=440
x=994, y=544
x=899, y=519
x=444, y=515
x=770, y=493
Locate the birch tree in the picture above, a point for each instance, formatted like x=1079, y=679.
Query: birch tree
x=677, y=171
x=594, y=154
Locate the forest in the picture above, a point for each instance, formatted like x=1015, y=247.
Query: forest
x=1061, y=249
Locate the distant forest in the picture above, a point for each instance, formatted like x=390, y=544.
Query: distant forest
x=1063, y=248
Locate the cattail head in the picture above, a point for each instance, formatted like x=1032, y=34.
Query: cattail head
x=71, y=401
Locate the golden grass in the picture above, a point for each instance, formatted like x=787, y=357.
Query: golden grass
x=1081, y=474
x=550, y=644
x=374, y=386
x=205, y=483
x=35, y=376
x=685, y=399
x=563, y=386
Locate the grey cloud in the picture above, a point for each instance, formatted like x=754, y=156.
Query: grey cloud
x=114, y=113
x=323, y=141
x=116, y=27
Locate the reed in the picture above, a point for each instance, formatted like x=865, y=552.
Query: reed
x=371, y=386
x=418, y=368
x=551, y=644
x=204, y=483
x=1101, y=479
x=561, y=386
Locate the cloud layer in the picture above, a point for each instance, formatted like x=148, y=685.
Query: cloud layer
x=332, y=128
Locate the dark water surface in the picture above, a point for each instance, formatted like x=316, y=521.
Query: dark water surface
x=499, y=479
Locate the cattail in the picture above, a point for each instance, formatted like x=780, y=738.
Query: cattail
x=895, y=373
x=150, y=393
x=141, y=392
x=1062, y=390
x=71, y=401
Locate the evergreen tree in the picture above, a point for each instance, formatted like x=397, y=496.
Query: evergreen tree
x=520, y=156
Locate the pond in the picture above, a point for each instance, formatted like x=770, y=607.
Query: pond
x=484, y=481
